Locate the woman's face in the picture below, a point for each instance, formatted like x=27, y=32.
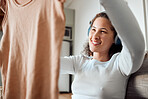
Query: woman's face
x=101, y=37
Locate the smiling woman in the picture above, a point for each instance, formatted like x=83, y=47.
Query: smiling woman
x=101, y=38
x=107, y=33
x=106, y=73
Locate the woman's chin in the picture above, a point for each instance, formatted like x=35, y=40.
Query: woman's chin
x=94, y=50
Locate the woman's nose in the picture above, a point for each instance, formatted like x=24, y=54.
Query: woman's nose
x=96, y=36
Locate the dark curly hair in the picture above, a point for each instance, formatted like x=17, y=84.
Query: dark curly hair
x=114, y=48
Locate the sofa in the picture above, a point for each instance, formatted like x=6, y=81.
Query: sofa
x=137, y=87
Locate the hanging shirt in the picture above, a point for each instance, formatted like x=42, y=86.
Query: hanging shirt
x=30, y=49
x=107, y=80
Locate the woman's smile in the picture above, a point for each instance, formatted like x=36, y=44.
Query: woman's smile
x=96, y=43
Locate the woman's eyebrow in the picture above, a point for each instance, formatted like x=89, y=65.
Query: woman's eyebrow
x=104, y=29
x=100, y=28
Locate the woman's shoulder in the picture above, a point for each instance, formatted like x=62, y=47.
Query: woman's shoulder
x=82, y=57
x=115, y=56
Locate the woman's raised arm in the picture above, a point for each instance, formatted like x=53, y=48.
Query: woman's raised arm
x=128, y=30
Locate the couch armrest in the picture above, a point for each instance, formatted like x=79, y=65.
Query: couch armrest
x=137, y=87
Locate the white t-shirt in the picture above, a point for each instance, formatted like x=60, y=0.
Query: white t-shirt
x=107, y=80
x=94, y=79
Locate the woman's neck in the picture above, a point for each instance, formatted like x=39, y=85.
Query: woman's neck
x=103, y=57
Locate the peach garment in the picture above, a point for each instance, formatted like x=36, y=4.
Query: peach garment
x=30, y=49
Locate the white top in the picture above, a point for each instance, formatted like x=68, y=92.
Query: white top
x=107, y=80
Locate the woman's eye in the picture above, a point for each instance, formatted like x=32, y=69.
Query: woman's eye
x=93, y=30
x=103, y=32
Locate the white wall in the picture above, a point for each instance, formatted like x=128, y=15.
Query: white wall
x=85, y=10
x=137, y=7
x=146, y=22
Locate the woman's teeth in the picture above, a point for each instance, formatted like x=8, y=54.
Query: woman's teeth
x=97, y=42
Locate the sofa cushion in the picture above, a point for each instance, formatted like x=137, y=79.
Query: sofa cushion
x=137, y=87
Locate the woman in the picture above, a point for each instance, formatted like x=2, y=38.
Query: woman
x=105, y=75
x=116, y=46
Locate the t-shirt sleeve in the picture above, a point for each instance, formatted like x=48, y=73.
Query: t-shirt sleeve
x=127, y=27
x=70, y=64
